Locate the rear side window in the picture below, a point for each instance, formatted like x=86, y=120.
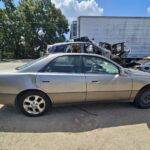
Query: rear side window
x=51, y=49
x=65, y=64
x=58, y=49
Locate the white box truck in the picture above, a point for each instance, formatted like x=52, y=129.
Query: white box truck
x=135, y=31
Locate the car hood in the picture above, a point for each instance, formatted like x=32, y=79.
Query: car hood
x=133, y=72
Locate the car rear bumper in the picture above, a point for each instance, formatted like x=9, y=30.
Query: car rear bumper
x=7, y=98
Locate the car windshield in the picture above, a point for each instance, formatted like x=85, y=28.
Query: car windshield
x=30, y=63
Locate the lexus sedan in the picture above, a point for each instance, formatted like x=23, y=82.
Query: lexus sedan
x=72, y=78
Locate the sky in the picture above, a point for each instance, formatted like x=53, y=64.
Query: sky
x=74, y=8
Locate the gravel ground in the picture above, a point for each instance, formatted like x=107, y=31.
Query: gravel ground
x=102, y=126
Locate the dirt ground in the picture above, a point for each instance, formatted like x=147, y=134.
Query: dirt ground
x=102, y=126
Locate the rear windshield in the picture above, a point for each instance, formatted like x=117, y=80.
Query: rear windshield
x=30, y=63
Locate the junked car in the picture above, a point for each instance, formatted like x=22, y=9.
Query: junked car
x=78, y=47
x=143, y=67
x=72, y=78
x=117, y=52
x=121, y=54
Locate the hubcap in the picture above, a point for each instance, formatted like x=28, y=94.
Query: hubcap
x=147, y=99
x=34, y=104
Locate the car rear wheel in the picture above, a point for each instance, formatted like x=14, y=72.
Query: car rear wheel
x=143, y=98
x=34, y=103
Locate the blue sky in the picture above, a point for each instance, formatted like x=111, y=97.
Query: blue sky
x=125, y=7
x=108, y=7
x=74, y=8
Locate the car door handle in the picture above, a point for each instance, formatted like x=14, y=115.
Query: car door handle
x=95, y=81
x=45, y=81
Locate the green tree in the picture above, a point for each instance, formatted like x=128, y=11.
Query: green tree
x=31, y=24
x=8, y=27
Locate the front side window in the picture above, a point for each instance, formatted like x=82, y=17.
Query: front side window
x=99, y=65
x=65, y=64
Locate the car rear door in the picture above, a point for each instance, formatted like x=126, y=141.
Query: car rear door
x=104, y=81
x=63, y=80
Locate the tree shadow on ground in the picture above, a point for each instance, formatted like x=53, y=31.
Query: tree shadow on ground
x=75, y=118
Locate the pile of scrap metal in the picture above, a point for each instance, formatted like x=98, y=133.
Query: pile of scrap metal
x=118, y=52
x=144, y=64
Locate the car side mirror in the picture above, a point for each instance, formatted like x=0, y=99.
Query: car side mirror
x=122, y=72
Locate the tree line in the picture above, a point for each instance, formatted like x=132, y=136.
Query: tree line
x=27, y=28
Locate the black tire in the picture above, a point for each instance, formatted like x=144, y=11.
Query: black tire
x=30, y=96
x=142, y=99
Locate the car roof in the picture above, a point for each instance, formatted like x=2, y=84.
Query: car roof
x=65, y=43
x=78, y=54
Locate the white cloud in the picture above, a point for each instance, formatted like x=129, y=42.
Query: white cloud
x=74, y=8
x=148, y=10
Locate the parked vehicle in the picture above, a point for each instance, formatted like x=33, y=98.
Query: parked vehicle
x=80, y=45
x=70, y=78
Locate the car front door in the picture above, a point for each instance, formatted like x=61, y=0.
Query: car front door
x=63, y=80
x=104, y=81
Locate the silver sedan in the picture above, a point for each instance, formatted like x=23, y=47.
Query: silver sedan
x=72, y=78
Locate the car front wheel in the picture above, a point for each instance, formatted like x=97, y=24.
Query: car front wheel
x=34, y=103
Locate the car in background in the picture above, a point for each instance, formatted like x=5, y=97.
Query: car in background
x=78, y=47
x=72, y=78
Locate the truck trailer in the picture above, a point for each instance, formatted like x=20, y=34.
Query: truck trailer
x=134, y=31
